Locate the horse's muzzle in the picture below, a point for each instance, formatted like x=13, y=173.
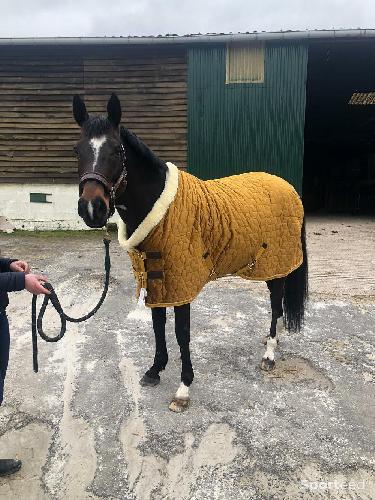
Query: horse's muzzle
x=94, y=212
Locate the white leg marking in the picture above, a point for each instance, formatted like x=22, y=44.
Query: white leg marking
x=96, y=144
x=270, y=350
x=182, y=392
x=90, y=210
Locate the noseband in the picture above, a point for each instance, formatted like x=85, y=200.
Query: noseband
x=112, y=188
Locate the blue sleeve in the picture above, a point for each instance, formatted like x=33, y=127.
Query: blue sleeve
x=4, y=265
x=12, y=282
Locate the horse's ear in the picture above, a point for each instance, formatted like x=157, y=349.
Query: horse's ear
x=114, y=110
x=79, y=110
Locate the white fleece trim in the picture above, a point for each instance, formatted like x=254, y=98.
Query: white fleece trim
x=156, y=214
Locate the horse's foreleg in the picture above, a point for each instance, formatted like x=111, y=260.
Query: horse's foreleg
x=182, y=327
x=276, y=288
x=151, y=377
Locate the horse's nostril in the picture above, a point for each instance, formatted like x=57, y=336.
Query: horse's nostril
x=81, y=207
x=100, y=207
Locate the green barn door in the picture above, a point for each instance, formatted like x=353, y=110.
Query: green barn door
x=254, y=126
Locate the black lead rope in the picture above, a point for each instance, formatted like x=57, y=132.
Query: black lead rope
x=37, y=324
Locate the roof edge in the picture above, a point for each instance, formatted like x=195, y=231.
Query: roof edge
x=192, y=39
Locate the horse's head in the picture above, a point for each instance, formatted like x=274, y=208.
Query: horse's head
x=101, y=161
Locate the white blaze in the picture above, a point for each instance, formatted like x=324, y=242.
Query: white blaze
x=96, y=144
x=90, y=210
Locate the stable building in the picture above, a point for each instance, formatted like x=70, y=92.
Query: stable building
x=297, y=104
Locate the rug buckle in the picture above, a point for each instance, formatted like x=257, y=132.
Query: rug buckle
x=251, y=265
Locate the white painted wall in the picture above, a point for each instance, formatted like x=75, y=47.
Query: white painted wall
x=61, y=213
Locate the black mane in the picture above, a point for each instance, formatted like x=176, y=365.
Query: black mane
x=96, y=126
x=140, y=147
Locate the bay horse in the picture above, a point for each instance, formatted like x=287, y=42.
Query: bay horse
x=118, y=171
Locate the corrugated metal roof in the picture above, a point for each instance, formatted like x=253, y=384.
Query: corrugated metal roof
x=195, y=38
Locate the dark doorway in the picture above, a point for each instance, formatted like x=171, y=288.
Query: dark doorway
x=339, y=160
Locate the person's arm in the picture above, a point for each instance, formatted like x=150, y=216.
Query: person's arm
x=5, y=265
x=16, y=277
x=11, y=281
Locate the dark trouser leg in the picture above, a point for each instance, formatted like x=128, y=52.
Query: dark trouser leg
x=182, y=329
x=7, y=466
x=276, y=288
x=4, y=351
x=151, y=377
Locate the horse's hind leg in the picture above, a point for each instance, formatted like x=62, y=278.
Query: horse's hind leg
x=151, y=377
x=276, y=288
x=182, y=326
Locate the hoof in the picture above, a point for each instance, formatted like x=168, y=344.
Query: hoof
x=267, y=364
x=179, y=405
x=147, y=381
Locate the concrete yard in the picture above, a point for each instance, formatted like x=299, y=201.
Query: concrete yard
x=85, y=429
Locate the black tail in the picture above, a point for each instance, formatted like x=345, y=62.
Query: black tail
x=296, y=291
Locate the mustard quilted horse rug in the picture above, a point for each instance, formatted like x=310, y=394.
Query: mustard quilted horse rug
x=181, y=232
x=247, y=225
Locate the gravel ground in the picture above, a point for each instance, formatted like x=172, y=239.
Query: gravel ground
x=85, y=429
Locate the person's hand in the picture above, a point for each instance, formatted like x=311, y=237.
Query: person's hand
x=33, y=284
x=20, y=266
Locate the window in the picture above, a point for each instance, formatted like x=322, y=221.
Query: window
x=39, y=197
x=245, y=63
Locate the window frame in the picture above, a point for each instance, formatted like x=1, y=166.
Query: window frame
x=231, y=47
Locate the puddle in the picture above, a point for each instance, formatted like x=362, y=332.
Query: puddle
x=294, y=370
